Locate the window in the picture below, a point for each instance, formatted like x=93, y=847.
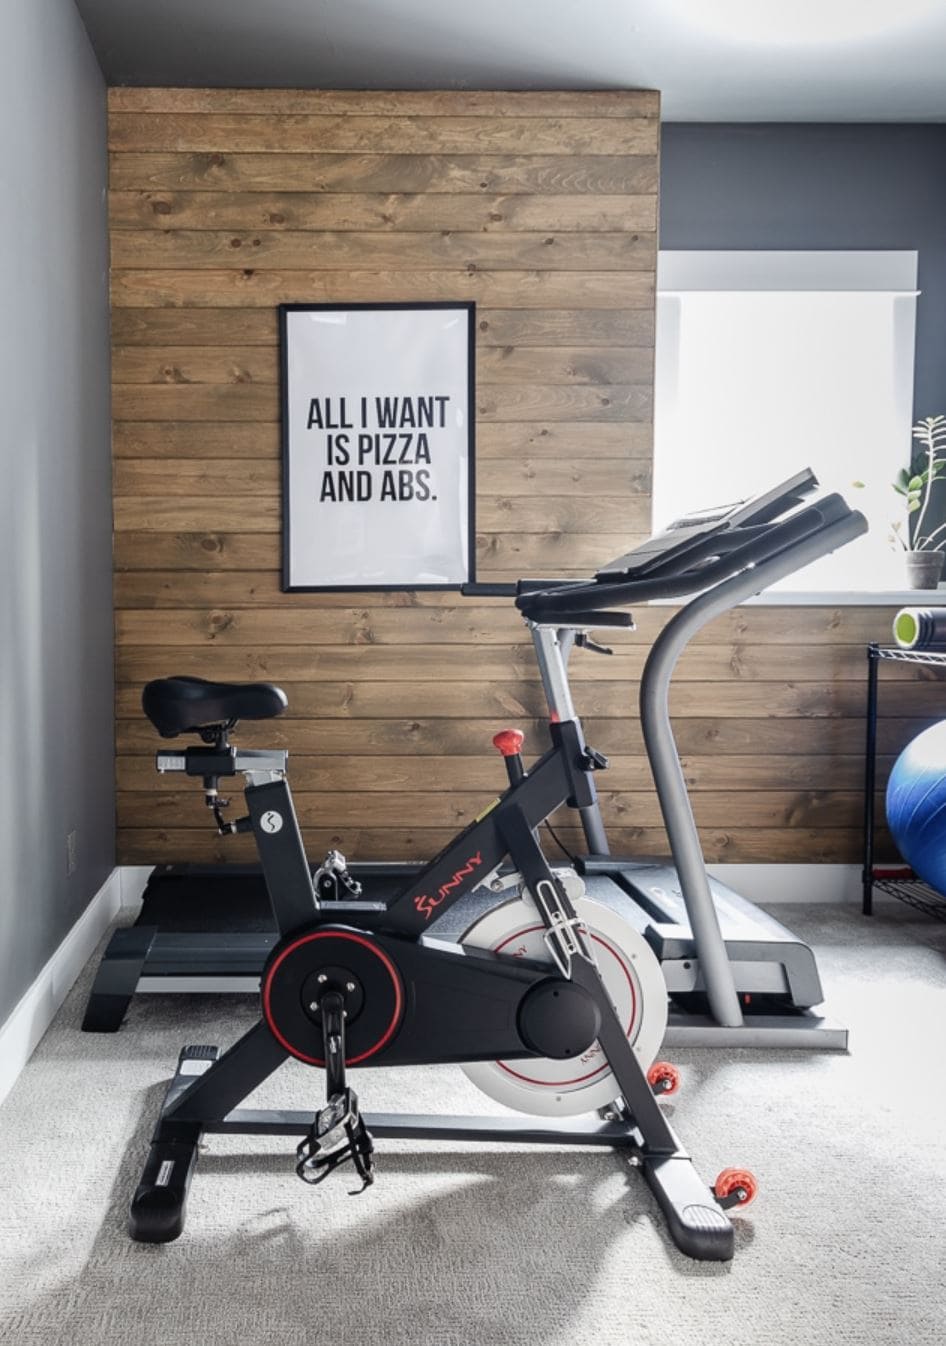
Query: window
x=770, y=362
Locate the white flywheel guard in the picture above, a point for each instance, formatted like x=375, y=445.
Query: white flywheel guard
x=633, y=979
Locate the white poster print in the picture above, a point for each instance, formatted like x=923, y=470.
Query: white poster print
x=377, y=446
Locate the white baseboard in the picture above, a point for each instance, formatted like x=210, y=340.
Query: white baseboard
x=30, y=1018
x=792, y=883
x=133, y=879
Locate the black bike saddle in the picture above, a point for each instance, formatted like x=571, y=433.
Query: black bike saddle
x=184, y=705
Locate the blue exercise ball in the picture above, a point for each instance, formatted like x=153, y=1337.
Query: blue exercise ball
x=916, y=805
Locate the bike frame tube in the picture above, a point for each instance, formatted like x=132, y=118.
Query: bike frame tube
x=470, y=858
x=558, y=778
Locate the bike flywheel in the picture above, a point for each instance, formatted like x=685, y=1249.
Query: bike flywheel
x=633, y=979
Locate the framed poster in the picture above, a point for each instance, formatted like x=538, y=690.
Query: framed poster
x=377, y=436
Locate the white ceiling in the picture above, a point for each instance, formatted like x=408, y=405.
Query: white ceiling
x=713, y=60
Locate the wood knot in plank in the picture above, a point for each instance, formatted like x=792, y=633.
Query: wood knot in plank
x=218, y=623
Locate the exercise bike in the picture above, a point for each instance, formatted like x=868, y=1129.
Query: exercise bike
x=552, y=1003
x=548, y=999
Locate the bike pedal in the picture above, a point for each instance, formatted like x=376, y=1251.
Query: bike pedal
x=339, y=1112
x=338, y=1135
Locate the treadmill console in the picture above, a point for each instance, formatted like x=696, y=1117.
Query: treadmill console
x=692, y=530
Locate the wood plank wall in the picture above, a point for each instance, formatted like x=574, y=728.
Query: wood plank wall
x=543, y=209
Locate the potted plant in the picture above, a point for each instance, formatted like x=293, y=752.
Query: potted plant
x=923, y=550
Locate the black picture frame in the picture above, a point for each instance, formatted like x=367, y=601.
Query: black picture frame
x=284, y=310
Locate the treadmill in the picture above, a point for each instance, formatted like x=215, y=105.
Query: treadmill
x=735, y=975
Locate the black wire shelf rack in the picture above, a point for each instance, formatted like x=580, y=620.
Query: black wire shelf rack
x=895, y=880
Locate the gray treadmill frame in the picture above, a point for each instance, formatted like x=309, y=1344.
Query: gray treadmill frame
x=553, y=641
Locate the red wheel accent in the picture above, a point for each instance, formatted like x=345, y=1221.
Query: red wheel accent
x=389, y=967
x=509, y=742
x=737, y=1182
x=663, y=1078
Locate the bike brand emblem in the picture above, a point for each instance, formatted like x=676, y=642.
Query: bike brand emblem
x=271, y=821
x=426, y=904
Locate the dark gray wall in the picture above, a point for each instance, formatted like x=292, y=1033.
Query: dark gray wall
x=818, y=187
x=56, y=720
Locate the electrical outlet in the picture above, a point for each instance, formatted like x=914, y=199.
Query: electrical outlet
x=71, y=861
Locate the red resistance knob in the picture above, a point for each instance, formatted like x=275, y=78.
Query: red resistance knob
x=509, y=742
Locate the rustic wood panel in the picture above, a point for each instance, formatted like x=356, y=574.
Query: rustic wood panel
x=501, y=364
x=250, y=285
x=734, y=845
x=499, y=555
x=247, y=401
x=769, y=808
x=515, y=174
x=549, y=514
x=436, y=737
x=495, y=327
x=391, y=211
x=640, y=103
x=149, y=477
x=347, y=250
x=344, y=134
x=313, y=623
x=481, y=705
x=730, y=776
x=213, y=654
x=542, y=208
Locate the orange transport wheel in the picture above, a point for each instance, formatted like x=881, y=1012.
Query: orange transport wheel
x=664, y=1078
x=735, y=1187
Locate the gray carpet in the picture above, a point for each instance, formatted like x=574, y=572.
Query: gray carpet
x=473, y=1247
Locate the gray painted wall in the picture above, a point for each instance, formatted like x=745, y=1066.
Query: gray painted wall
x=825, y=187
x=56, y=718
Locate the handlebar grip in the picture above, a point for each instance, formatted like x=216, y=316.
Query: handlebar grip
x=475, y=589
x=507, y=589
x=590, y=620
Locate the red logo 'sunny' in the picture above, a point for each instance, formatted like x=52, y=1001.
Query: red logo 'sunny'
x=425, y=904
